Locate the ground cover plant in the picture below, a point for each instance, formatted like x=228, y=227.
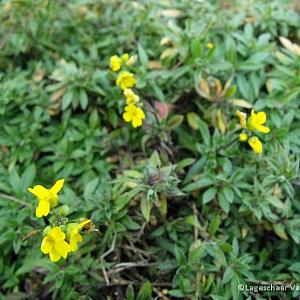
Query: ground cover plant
x=149, y=149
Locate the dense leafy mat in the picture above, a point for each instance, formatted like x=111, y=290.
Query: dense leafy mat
x=181, y=208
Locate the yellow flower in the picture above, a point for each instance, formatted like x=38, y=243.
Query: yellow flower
x=131, y=97
x=209, y=45
x=48, y=198
x=243, y=137
x=133, y=114
x=74, y=235
x=115, y=63
x=242, y=116
x=256, y=121
x=55, y=245
x=255, y=144
x=126, y=80
x=125, y=57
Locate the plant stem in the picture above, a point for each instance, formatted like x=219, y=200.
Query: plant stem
x=227, y=145
x=11, y=198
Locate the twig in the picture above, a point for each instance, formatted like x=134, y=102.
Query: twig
x=110, y=250
x=135, y=282
x=127, y=265
x=140, y=233
x=8, y=197
x=160, y=294
x=30, y=234
x=136, y=250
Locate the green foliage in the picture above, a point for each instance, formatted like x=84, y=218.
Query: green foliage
x=183, y=209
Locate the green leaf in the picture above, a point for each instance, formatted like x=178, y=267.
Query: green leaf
x=196, y=47
x=203, y=182
x=196, y=252
x=130, y=293
x=179, y=253
x=83, y=98
x=217, y=253
x=142, y=55
x=214, y=225
x=184, y=163
x=231, y=91
x=195, y=168
x=223, y=202
x=121, y=202
x=162, y=206
x=90, y=188
x=209, y=195
x=145, y=292
x=228, y=193
x=67, y=99
x=192, y=220
x=145, y=208
x=16, y=183
x=280, y=231
x=28, y=176
x=174, y=122
x=295, y=267
x=235, y=247
x=204, y=132
x=94, y=121
x=275, y=201
x=129, y=223
x=154, y=160
x=228, y=274
x=193, y=120
x=235, y=281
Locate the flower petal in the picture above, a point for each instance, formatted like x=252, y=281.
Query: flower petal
x=43, y=209
x=115, y=63
x=83, y=223
x=54, y=255
x=253, y=116
x=263, y=129
x=62, y=248
x=39, y=191
x=57, y=186
x=140, y=113
x=126, y=117
x=47, y=244
x=255, y=144
x=136, y=122
x=57, y=234
x=73, y=245
x=75, y=239
x=261, y=117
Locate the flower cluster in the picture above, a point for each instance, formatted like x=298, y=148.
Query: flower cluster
x=60, y=237
x=126, y=81
x=255, y=122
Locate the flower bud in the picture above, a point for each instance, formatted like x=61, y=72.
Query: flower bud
x=63, y=228
x=64, y=210
x=243, y=137
x=46, y=230
x=210, y=45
